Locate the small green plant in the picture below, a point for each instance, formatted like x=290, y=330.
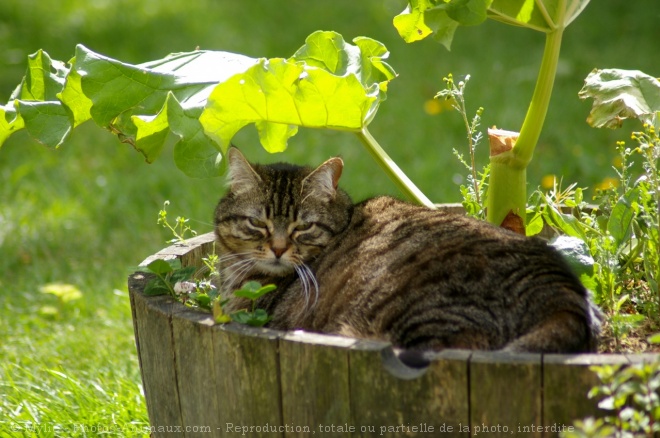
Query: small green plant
x=180, y=227
x=255, y=317
x=631, y=395
x=474, y=192
x=168, y=274
x=180, y=283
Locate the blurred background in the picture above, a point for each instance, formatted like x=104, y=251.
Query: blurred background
x=84, y=215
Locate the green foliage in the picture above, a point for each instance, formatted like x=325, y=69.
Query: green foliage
x=507, y=193
x=168, y=273
x=441, y=18
x=180, y=227
x=631, y=394
x=180, y=283
x=474, y=193
x=622, y=233
x=255, y=317
x=328, y=83
x=621, y=94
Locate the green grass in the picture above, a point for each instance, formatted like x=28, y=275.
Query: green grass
x=86, y=214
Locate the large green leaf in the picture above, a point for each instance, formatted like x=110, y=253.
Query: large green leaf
x=35, y=103
x=441, y=18
x=328, y=83
x=144, y=103
x=620, y=94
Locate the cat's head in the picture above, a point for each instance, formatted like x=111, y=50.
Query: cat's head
x=279, y=216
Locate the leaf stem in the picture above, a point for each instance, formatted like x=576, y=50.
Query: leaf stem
x=507, y=191
x=538, y=107
x=392, y=170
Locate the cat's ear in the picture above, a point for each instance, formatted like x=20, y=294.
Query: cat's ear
x=322, y=182
x=241, y=176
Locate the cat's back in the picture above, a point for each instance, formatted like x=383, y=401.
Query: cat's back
x=433, y=279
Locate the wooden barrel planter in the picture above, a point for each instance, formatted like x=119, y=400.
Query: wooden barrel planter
x=202, y=379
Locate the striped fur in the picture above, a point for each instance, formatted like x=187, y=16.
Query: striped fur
x=385, y=269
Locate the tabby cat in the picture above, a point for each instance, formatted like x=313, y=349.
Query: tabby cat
x=388, y=270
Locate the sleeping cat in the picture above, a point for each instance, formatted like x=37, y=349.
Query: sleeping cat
x=388, y=270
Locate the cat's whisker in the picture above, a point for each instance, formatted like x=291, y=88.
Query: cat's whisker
x=236, y=272
x=304, y=283
x=307, y=279
x=226, y=257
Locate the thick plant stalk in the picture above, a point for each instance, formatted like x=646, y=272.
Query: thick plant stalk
x=392, y=170
x=507, y=191
x=507, y=201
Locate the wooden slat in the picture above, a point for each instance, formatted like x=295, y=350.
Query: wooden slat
x=505, y=393
x=189, y=252
x=642, y=358
x=315, y=382
x=154, y=340
x=411, y=402
x=246, y=380
x=566, y=383
x=194, y=362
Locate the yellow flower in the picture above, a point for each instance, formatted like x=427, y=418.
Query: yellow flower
x=607, y=183
x=548, y=181
x=436, y=106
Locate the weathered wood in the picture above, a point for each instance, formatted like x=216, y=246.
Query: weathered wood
x=567, y=380
x=642, y=358
x=154, y=340
x=189, y=252
x=193, y=350
x=247, y=380
x=314, y=375
x=411, y=402
x=505, y=393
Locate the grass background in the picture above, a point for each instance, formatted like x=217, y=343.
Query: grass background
x=85, y=214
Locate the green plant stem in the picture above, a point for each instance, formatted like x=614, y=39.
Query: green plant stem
x=392, y=170
x=507, y=191
x=538, y=108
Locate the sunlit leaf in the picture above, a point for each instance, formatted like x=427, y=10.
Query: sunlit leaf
x=75, y=99
x=620, y=94
x=326, y=84
x=35, y=100
x=44, y=79
x=253, y=290
x=47, y=122
x=441, y=18
x=619, y=224
x=10, y=122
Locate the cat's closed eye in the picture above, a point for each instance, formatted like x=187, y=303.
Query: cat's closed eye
x=257, y=223
x=303, y=226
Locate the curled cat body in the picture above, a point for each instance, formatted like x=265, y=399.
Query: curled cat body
x=385, y=269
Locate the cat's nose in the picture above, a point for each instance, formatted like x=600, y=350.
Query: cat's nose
x=278, y=251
